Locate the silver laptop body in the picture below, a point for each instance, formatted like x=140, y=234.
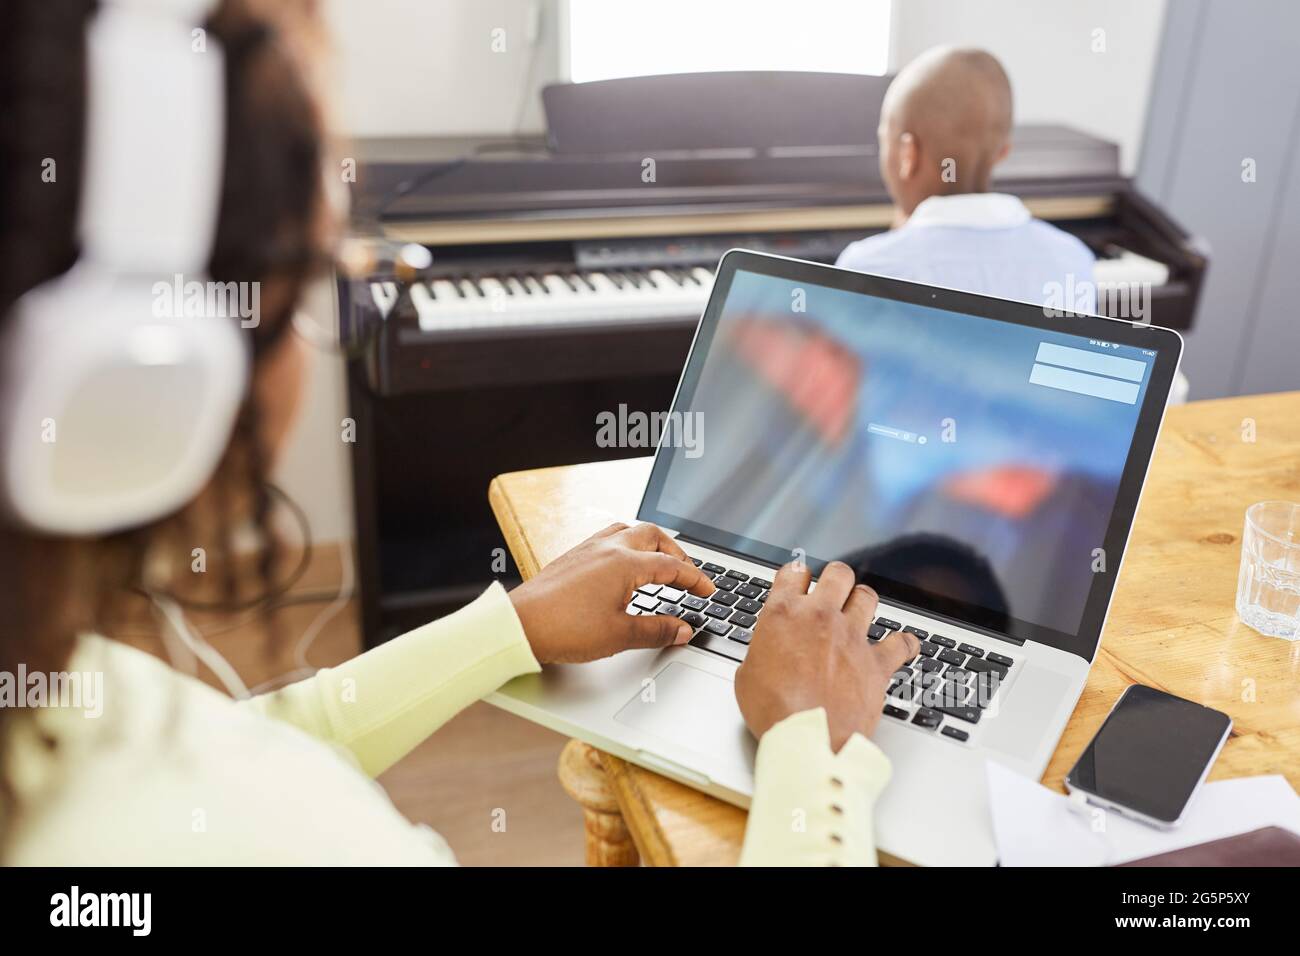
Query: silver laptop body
x=674, y=711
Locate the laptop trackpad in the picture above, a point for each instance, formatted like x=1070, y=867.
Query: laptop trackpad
x=1037, y=695
x=693, y=709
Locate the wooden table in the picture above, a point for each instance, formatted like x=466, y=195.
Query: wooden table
x=1172, y=624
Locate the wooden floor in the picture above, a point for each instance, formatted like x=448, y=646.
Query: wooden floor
x=486, y=781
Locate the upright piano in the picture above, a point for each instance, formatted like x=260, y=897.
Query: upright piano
x=535, y=282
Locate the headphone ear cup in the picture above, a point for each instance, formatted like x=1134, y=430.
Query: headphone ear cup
x=116, y=410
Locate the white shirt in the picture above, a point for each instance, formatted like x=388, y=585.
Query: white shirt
x=980, y=242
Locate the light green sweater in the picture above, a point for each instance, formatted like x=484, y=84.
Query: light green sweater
x=174, y=772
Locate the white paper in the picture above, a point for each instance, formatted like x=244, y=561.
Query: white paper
x=1034, y=826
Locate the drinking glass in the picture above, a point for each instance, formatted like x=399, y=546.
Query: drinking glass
x=1268, y=586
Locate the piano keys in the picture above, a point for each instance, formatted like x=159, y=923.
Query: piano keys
x=519, y=300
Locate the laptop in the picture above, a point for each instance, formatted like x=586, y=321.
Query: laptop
x=976, y=461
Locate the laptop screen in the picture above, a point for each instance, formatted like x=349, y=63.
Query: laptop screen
x=963, y=464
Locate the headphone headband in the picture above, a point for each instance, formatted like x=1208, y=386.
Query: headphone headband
x=115, y=409
x=155, y=134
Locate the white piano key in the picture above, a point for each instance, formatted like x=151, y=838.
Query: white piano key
x=384, y=295
x=603, y=283
x=1130, y=267
x=426, y=308
x=444, y=291
x=557, y=286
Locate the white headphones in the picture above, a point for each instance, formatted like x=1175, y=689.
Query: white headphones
x=117, y=405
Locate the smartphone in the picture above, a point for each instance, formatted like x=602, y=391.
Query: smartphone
x=1150, y=756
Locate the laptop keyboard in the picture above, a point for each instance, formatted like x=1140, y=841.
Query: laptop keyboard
x=947, y=688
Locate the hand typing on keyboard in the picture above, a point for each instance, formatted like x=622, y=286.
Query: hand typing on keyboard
x=811, y=650
x=574, y=609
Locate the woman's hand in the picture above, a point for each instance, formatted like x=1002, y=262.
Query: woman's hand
x=811, y=650
x=574, y=609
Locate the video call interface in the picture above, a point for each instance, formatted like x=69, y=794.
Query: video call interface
x=974, y=459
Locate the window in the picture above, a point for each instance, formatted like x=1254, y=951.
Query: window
x=609, y=39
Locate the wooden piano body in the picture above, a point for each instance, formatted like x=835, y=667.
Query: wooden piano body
x=568, y=273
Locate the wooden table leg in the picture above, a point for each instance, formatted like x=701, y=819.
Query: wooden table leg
x=608, y=841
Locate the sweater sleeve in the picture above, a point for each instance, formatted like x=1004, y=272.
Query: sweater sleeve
x=813, y=807
x=383, y=703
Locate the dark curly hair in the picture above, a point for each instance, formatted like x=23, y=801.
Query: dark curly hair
x=272, y=229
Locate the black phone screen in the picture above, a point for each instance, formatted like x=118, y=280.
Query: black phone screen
x=1150, y=753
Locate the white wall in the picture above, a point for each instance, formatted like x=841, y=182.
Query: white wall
x=427, y=67
x=1046, y=47
x=313, y=466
